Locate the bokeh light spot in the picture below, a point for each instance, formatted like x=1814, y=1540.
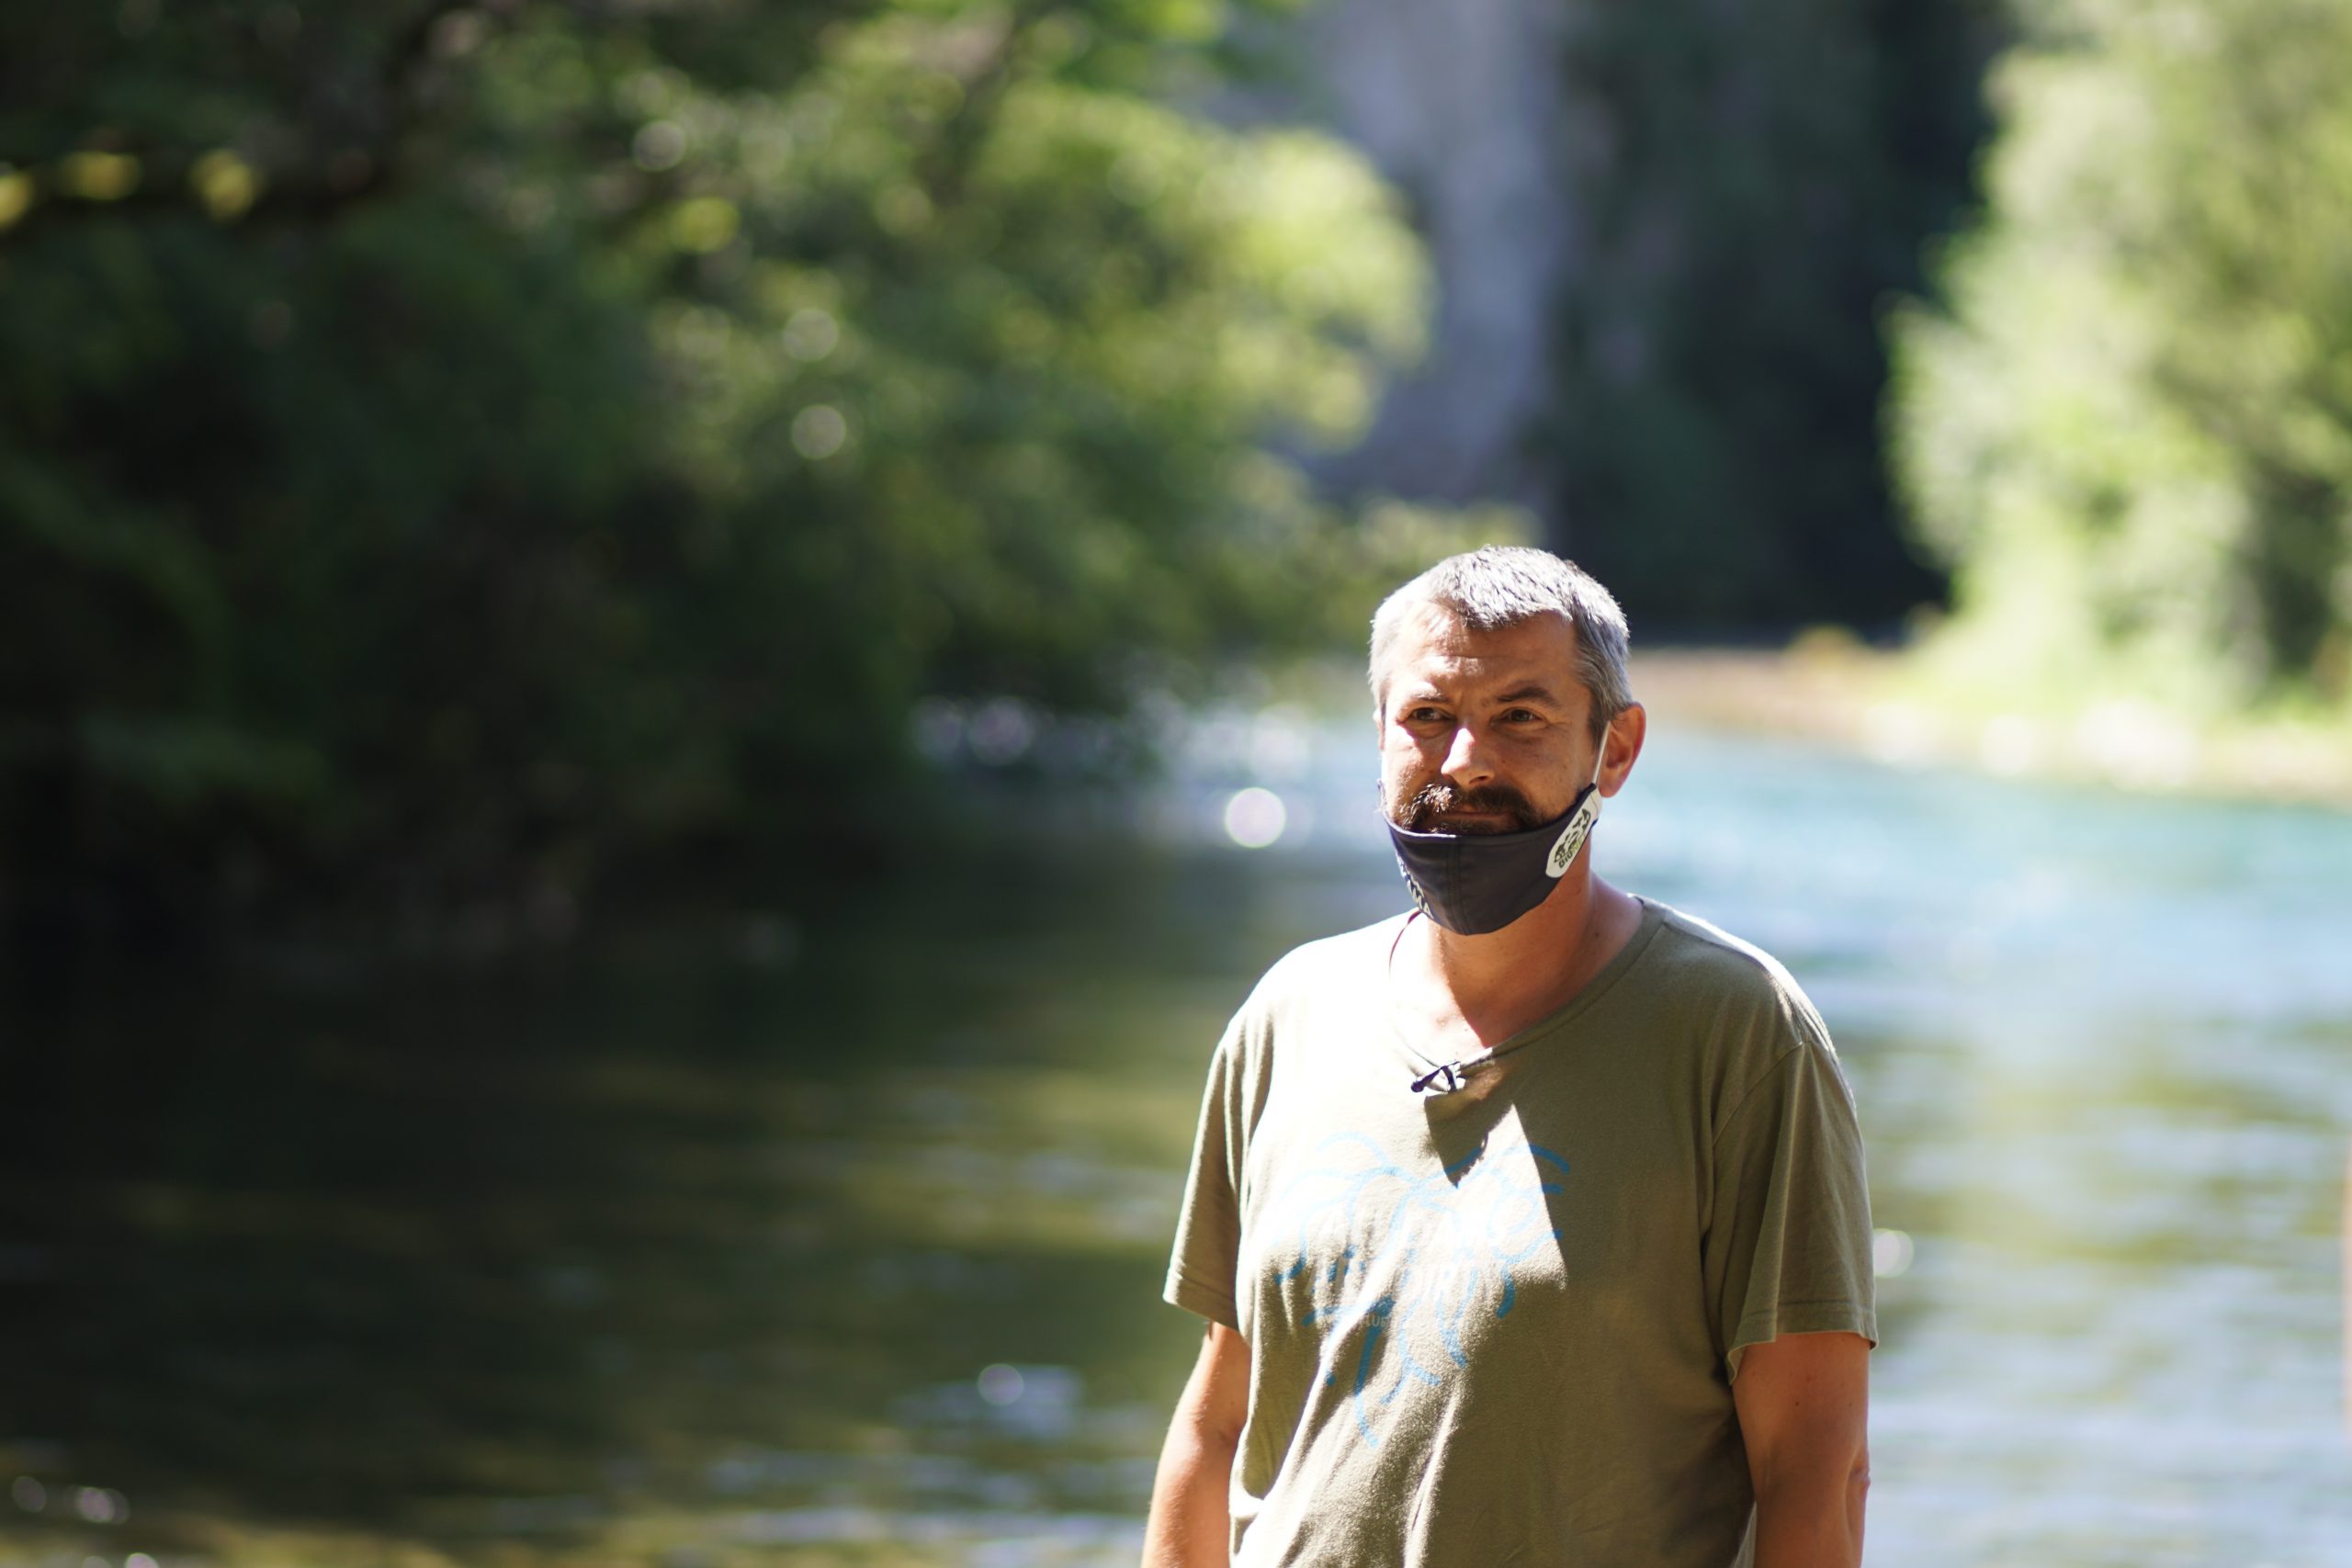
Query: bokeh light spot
x=225, y=184
x=658, y=145
x=999, y=1384
x=819, y=431
x=98, y=177
x=1255, y=817
x=1001, y=732
x=810, y=334
x=16, y=196
x=705, y=224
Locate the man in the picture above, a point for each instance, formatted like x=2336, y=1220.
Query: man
x=1529, y=1226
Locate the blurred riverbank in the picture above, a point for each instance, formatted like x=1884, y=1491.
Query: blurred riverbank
x=1892, y=708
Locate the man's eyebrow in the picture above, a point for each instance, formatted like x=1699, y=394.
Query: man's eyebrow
x=1530, y=694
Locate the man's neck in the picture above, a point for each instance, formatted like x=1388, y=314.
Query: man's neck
x=1487, y=988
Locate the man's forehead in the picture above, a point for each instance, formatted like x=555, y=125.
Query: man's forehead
x=1438, y=644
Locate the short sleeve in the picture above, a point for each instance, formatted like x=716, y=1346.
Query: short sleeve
x=1789, y=1247
x=1201, y=1272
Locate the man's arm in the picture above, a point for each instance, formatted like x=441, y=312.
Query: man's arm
x=1803, y=1404
x=1189, y=1527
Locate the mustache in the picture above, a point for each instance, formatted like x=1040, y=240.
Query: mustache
x=1435, y=799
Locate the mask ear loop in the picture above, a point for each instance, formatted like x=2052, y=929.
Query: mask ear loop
x=1592, y=787
x=1582, y=816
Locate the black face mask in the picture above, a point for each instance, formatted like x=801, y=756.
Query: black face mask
x=1475, y=883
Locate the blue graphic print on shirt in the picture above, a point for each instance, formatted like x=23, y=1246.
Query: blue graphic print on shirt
x=1429, y=1259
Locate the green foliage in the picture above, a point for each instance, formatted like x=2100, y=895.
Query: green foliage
x=442, y=450
x=1747, y=193
x=2132, y=431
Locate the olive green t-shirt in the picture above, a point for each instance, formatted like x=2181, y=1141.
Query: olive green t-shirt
x=1499, y=1327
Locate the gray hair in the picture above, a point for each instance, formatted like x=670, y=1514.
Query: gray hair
x=1502, y=585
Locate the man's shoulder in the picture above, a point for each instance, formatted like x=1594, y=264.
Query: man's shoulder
x=1699, y=962
x=1311, y=993
x=1702, y=945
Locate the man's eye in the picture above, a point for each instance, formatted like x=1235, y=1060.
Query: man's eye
x=1425, y=716
x=1523, y=715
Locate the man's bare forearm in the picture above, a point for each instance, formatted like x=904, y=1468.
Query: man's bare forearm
x=1804, y=1402
x=1189, y=1526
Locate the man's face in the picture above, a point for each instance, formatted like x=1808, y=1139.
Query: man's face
x=1483, y=731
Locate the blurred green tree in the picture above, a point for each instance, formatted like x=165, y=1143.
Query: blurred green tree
x=445, y=448
x=2131, y=433
x=1749, y=185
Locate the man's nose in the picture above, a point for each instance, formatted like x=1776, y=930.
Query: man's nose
x=1466, y=758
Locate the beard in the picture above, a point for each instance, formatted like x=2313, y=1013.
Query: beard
x=1437, y=798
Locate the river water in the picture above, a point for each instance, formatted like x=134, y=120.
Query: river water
x=835, y=1237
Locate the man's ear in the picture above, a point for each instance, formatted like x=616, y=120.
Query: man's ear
x=1621, y=747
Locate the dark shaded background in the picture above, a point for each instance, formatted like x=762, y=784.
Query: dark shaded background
x=453, y=455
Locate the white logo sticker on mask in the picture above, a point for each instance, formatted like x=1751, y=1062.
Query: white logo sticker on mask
x=1565, y=847
x=1580, y=821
